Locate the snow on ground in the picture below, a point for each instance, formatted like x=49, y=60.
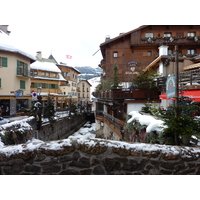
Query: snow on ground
x=86, y=132
x=151, y=123
x=86, y=135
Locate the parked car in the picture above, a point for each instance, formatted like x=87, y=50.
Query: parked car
x=4, y=121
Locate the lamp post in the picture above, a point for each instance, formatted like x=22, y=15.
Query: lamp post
x=70, y=104
x=39, y=112
x=81, y=106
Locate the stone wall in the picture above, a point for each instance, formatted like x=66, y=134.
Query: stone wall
x=77, y=156
x=61, y=128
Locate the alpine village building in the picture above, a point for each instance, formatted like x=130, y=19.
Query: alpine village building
x=21, y=75
x=149, y=47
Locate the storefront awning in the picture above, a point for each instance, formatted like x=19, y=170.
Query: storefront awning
x=194, y=94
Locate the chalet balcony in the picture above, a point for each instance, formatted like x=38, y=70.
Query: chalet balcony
x=173, y=40
x=187, y=80
x=120, y=94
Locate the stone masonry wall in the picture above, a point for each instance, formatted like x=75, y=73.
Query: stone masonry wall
x=76, y=156
x=60, y=129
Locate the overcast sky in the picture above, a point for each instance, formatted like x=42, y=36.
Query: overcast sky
x=78, y=27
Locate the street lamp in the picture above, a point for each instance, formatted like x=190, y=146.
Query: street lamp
x=80, y=105
x=70, y=104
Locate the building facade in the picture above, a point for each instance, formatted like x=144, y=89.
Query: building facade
x=134, y=50
x=69, y=86
x=147, y=47
x=15, y=95
x=84, y=94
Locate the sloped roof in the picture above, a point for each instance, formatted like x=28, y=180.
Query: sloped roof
x=6, y=45
x=193, y=66
x=122, y=35
x=85, y=81
x=45, y=66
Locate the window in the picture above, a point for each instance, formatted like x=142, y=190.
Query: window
x=115, y=54
x=45, y=73
x=54, y=75
x=3, y=62
x=68, y=74
x=149, y=53
x=148, y=35
x=170, y=52
x=21, y=104
x=22, y=85
x=22, y=68
x=190, y=51
x=191, y=34
x=33, y=73
x=73, y=84
x=167, y=34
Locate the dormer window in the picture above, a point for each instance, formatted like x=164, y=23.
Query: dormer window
x=191, y=34
x=167, y=34
x=149, y=35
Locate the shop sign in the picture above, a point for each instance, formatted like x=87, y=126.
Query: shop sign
x=19, y=93
x=131, y=67
x=132, y=64
x=131, y=73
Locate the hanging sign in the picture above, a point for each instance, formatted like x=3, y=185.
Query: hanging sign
x=132, y=64
x=132, y=67
x=171, y=86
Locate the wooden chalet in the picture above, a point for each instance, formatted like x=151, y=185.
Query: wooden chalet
x=143, y=48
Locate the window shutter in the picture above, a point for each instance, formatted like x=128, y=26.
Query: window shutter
x=37, y=85
x=119, y=54
x=4, y=62
x=22, y=84
x=56, y=86
x=18, y=67
x=144, y=53
x=119, y=71
x=47, y=85
x=26, y=69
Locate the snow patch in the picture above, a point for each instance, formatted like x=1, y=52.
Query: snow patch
x=151, y=123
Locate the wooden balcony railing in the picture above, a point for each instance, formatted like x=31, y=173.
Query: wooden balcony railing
x=186, y=79
x=128, y=94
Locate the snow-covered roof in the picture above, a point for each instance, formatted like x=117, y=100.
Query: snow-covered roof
x=6, y=45
x=45, y=66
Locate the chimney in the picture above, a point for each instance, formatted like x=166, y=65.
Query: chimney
x=39, y=55
x=107, y=38
x=163, y=50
